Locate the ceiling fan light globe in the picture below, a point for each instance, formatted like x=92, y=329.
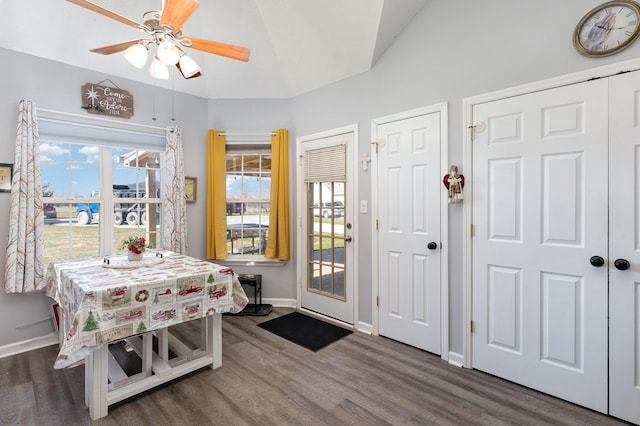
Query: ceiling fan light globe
x=159, y=70
x=136, y=55
x=188, y=66
x=168, y=53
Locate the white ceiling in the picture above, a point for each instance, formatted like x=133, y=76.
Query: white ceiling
x=296, y=45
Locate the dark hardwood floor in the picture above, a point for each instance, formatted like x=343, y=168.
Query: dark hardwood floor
x=266, y=380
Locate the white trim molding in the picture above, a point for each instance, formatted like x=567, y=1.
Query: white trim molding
x=29, y=345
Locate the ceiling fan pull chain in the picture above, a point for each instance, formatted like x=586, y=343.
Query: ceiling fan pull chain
x=153, y=102
x=173, y=96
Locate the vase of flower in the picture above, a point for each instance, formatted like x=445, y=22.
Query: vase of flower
x=135, y=247
x=133, y=256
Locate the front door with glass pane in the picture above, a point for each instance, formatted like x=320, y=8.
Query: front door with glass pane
x=327, y=230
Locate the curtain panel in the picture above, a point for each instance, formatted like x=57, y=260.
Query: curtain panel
x=278, y=241
x=25, y=248
x=216, y=196
x=174, y=204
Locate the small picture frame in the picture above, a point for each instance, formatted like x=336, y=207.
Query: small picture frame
x=191, y=188
x=6, y=171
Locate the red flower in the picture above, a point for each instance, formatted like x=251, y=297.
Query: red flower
x=136, y=245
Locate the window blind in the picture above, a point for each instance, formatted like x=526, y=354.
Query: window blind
x=54, y=130
x=328, y=164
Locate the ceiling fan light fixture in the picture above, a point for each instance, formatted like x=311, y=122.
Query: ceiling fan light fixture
x=168, y=53
x=158, y=69
x=136, y=54
x=188, y=67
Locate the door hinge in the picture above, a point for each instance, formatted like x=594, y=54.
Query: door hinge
x=472, y=326
x=379, y=144
x=472, y=230
x=476, y=128
x=377, y=300
x=377, y=225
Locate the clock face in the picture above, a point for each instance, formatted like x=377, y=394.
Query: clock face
x=607, y=29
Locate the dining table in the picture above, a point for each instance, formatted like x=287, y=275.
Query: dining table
x=107, y=299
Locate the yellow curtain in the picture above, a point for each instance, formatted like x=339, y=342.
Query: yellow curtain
x=278, y=237
x=216, y=196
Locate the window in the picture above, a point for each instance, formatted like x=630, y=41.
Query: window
x=97, y=192
x=248, y=178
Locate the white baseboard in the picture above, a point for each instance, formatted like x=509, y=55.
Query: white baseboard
x=456, y=359
x=29, y=345
x=364, y=327
x=281, y=303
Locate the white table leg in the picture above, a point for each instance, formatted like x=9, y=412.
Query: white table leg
x=213, y=344
x=96, y=382
x=147, y=352
x=163, y=343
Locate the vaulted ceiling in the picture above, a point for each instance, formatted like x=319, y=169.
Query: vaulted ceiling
x=296, y=45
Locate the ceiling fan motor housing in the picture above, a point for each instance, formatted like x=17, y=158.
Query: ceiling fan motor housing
x=151, y=19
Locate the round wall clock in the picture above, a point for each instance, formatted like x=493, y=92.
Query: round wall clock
x=608, y=28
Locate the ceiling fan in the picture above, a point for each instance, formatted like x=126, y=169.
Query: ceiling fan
x=164, y=30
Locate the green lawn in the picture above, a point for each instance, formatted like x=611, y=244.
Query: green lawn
x=63, y=241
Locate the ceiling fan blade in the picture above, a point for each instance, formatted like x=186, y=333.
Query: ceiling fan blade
x=227, y=50
x=109, y=14
x=176, y=13
x=115, y=48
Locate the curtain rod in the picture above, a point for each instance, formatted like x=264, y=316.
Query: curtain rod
x=246, y=134
x=247, y=142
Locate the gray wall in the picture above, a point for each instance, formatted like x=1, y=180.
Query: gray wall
x=450, y=51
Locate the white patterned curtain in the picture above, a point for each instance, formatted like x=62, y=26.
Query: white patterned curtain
x=25, y=249
x=174, y=203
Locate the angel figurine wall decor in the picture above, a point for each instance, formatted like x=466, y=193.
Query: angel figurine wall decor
x=454, y=182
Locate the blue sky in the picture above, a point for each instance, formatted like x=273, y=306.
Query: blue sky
x=72, y=170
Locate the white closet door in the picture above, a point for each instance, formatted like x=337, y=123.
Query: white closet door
x=624, y=236
x=539, y=214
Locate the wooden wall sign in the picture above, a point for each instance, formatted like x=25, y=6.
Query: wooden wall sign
x=105, y=100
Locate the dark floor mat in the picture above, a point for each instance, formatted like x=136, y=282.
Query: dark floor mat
x=306, y=331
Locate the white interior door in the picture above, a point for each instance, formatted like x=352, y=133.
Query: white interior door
x=327, y=226
x=539, y=214
x=409, y=190
x=624, y=236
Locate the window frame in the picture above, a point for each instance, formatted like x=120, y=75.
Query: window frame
x=247, y=149
x=110, y=135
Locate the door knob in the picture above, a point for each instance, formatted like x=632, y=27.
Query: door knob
x=596, y=260
x=348, y=239
x=621, y=264
x=432, y=245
